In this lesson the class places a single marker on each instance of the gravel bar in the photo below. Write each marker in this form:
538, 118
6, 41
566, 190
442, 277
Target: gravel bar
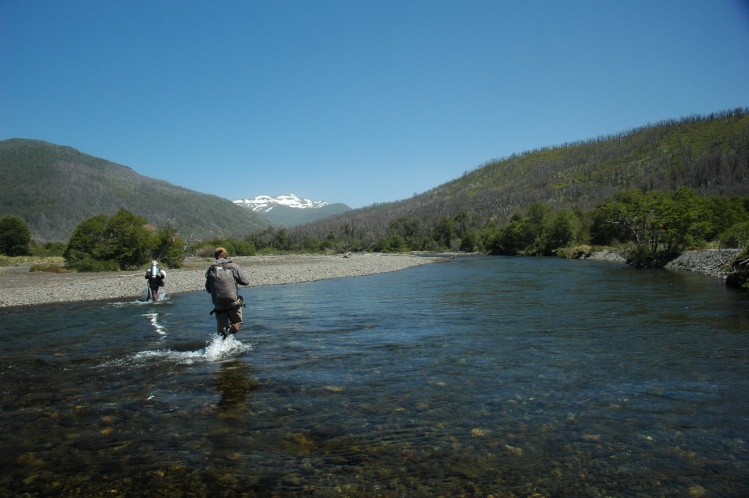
19, 288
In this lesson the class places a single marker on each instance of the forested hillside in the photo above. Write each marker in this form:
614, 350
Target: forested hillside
709, 154
53, 188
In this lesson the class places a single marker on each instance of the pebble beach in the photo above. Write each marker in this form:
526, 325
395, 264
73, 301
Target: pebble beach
25, 288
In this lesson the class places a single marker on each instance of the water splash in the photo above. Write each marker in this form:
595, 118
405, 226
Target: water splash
145, 296
142, 300
217, 349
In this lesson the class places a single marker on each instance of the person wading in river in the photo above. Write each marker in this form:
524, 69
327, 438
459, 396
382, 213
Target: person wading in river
222, 281
155, 276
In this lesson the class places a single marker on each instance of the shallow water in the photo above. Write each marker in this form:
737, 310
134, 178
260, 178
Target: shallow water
477, 376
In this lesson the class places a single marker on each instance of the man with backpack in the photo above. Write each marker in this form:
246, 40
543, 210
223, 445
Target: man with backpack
221, 280
155, 276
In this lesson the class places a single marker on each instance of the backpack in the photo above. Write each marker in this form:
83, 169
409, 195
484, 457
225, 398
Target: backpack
154, 274
222, 285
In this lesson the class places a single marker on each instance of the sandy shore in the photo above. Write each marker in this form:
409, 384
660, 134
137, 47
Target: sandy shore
19, 288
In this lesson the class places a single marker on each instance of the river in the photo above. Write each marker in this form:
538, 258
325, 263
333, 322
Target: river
479, 376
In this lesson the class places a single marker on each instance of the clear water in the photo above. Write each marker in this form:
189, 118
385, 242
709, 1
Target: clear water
473, 377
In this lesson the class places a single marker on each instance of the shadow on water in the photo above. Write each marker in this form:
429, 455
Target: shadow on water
473, 377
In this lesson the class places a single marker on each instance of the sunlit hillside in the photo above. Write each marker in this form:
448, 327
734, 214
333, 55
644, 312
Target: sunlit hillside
53, 188
707, 153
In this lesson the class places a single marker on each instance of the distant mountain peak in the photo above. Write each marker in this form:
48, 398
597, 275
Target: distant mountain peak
265, 203
290, 210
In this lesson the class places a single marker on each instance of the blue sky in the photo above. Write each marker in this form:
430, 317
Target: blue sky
355, 101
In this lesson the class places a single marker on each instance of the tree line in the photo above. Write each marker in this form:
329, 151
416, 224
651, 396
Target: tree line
650, 227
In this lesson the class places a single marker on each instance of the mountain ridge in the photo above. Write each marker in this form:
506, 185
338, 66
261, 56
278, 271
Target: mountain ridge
55, 187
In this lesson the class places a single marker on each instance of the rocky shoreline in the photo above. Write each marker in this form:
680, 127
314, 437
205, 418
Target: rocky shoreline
35, 288
713, 262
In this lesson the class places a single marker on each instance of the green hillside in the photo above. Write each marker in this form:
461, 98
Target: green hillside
707, 153
54, 188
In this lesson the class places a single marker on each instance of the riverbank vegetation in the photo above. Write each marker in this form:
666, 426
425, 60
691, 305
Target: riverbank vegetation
650, 228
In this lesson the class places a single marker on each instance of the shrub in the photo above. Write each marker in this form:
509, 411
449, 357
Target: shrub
735, 237
120, 242
576, 252
93, 265
48, 249
233, 246
15, 238
47, 267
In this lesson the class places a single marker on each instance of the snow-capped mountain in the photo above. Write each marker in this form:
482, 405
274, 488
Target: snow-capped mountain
265, 203
290, 210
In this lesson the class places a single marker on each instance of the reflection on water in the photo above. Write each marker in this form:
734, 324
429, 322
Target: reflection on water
235, 385
473, 377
